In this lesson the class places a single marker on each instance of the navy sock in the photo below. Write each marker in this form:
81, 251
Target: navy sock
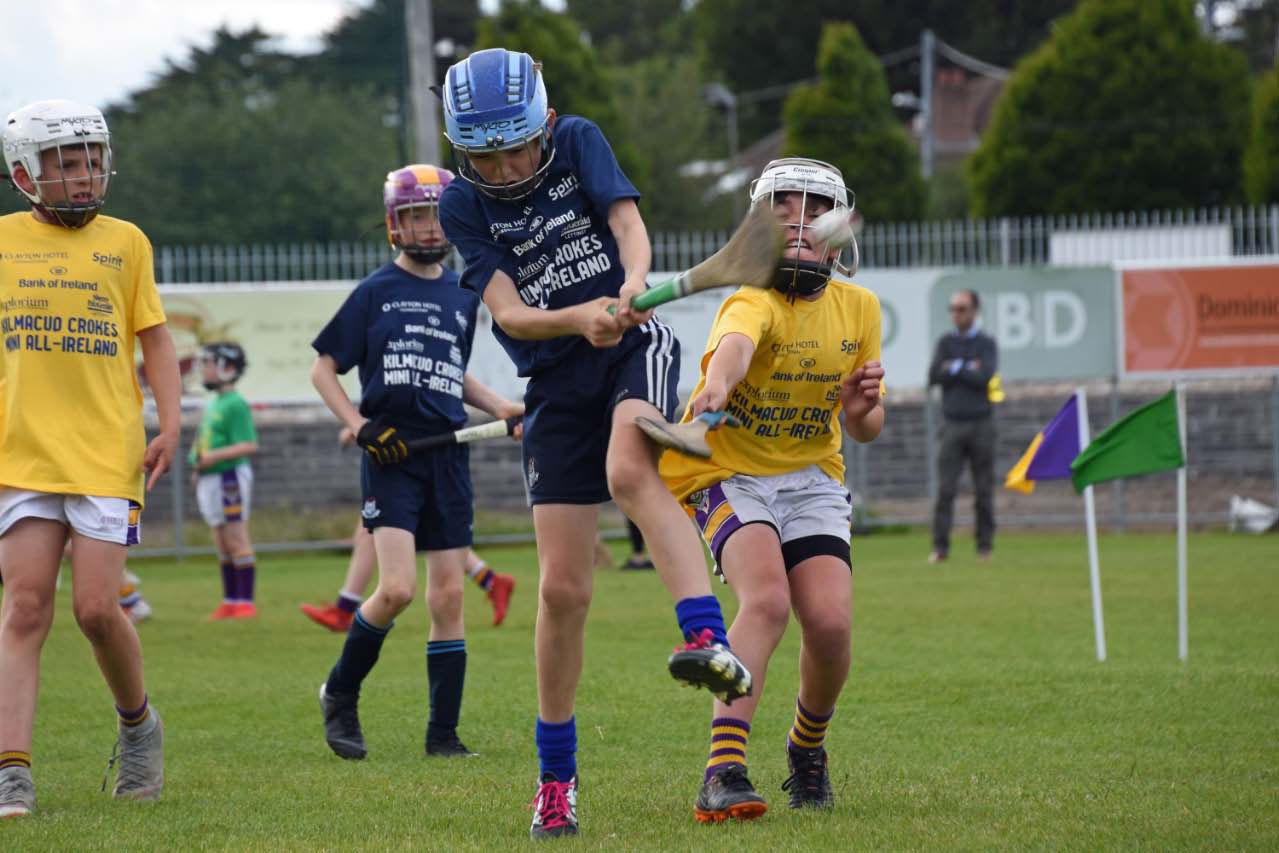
359, 653
557, 748
698, 614
445, 672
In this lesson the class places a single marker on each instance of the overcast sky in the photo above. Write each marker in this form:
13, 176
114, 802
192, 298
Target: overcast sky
98, 51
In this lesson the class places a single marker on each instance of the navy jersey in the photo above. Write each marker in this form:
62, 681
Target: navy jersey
411, 339
555, 244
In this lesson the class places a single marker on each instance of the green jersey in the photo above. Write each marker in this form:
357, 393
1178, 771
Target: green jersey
228, 420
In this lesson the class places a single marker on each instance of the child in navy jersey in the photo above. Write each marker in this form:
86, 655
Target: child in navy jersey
408, 328
553, 241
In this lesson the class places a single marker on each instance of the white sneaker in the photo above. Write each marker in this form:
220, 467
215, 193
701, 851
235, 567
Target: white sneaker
17, 792
140, 751
139, 611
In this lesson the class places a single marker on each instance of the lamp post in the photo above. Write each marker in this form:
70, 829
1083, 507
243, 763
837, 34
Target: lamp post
719, 97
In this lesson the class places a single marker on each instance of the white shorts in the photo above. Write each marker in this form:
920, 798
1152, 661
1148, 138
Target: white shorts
797, 505
117, 520
225, 496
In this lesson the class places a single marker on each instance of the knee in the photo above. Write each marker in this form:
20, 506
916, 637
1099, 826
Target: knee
828, 635
444, 600
769, 608
97, 617
27, 613
629, 478
397, 592
560, 594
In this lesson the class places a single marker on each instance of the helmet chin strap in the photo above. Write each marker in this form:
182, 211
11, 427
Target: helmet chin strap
800, 278
426, 255
70, 216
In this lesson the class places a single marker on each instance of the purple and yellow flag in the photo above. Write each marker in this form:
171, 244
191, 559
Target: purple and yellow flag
1050, 452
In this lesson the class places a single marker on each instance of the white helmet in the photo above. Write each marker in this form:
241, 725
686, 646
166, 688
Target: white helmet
810, 177
56, 125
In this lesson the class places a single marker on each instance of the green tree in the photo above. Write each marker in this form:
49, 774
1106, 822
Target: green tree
629, 32
670, 127
1127, 106
576, 82
753, 45
241, 162
847, 120
1261, 161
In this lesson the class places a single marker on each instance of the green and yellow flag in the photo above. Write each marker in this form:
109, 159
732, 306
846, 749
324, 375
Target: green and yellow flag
1145, 441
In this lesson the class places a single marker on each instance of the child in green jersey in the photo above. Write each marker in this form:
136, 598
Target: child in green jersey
224, 479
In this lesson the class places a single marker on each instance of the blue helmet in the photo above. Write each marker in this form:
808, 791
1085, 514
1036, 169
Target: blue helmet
495, 100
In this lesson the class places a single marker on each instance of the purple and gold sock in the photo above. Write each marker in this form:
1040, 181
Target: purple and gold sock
14, 758
134, 718
728, 744
228, 577
809, 729
244, 568
482, 575
348, 602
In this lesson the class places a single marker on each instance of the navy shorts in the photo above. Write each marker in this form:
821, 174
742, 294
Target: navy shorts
568, 411
428, 495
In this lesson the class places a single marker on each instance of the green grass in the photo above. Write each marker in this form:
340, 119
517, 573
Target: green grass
975, 717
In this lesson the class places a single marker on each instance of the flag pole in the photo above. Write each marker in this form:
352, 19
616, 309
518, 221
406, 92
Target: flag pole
1090, 522
1183, 629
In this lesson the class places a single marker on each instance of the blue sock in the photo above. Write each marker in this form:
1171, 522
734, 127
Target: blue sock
359, 654
445, 673
697, 614
557, 748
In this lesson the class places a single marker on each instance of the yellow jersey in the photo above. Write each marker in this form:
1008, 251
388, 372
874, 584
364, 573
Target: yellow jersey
788, 402
71, 303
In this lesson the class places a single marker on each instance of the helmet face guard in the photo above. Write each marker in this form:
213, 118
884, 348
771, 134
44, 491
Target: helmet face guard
73, 190
414, 187
228, 361
809, 178
495, 101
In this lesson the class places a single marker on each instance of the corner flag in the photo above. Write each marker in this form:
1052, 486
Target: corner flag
1050, 452
1145, 441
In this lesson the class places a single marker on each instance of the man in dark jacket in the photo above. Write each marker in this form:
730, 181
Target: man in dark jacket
963, 364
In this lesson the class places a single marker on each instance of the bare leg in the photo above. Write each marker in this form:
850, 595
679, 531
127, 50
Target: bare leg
822, 590
672, 539
359, 571
29, 555
96, 570
565, 540
757, 574
445, 571
397, 576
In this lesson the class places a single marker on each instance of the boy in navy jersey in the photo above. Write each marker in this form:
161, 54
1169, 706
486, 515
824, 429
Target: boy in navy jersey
553, 242
408, 327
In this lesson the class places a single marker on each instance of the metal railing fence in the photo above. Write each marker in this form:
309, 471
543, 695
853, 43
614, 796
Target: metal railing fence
1019, 241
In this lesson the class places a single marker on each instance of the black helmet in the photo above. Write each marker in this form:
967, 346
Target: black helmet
229, 359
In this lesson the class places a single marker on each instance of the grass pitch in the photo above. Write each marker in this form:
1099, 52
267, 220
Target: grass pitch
975, 717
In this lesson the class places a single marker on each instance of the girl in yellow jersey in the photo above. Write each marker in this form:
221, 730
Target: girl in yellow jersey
76, 291
791, 364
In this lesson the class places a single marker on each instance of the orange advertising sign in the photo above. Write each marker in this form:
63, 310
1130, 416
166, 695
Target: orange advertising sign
1204, 319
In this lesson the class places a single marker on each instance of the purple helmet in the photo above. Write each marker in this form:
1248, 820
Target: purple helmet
415, 186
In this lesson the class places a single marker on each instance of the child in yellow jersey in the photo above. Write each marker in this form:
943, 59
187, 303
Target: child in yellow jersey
791, 364
76, 290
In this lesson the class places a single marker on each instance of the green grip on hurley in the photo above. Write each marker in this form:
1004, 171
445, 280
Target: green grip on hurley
667, 291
